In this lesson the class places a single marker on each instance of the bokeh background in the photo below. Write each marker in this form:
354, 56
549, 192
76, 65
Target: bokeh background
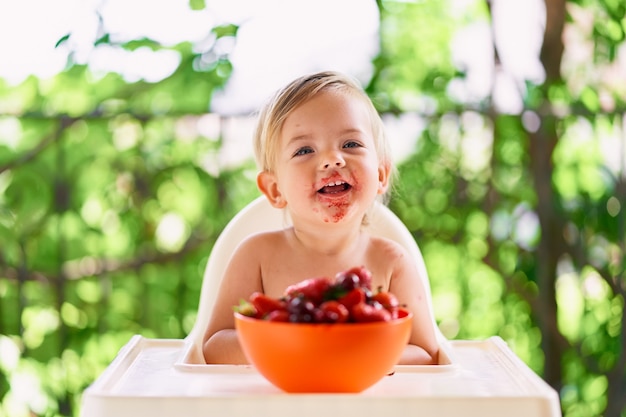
125, 130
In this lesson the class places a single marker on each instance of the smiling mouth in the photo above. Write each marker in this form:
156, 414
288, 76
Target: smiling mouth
334, 188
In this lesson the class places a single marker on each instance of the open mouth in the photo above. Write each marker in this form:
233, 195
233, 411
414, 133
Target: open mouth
334, 188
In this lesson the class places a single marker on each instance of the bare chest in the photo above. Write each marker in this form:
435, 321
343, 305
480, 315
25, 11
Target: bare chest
280, 272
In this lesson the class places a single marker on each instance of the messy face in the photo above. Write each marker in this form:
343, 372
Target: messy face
328, 169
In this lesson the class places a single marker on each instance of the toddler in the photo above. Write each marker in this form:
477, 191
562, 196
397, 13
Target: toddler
323, 157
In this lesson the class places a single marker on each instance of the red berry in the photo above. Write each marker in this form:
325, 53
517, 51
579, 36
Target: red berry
364, 313
334, 312
365, 276
265, 304
347, 281
352, 298
278, 315
313, 289
387, 300
302, 310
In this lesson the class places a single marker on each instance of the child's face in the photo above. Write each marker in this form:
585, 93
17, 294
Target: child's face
327, 166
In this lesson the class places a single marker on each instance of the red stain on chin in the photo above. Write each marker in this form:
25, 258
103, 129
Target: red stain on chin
340, 209
337, 210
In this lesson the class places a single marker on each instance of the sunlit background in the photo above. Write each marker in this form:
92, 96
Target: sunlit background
263, 57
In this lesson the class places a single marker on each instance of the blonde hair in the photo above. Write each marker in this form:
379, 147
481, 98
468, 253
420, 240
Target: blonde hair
279, 107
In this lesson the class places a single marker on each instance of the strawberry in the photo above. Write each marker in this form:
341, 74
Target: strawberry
313, 289
334, 312
278, 315
364, 313
386, 299
352, 298
264, 304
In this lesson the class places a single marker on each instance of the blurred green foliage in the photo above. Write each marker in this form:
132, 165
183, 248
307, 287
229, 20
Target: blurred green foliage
111, 196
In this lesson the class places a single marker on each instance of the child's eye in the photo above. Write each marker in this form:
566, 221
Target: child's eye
352, 144
303, 151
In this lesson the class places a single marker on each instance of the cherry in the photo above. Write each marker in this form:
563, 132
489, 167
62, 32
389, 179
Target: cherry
302, 310
347, 281
364, 274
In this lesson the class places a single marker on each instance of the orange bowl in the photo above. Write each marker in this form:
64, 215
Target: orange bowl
347, 357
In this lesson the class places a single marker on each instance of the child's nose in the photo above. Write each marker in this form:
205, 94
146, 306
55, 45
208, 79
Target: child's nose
332, 159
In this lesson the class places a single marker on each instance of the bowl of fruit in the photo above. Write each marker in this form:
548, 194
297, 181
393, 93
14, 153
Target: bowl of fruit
324, 335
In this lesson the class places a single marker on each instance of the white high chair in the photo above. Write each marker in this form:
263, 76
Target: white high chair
168, 377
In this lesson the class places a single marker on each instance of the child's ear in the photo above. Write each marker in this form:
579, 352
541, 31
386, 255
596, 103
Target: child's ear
266, 181
384, 172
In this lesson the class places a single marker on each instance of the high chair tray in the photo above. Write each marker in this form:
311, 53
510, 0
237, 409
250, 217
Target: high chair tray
487, 379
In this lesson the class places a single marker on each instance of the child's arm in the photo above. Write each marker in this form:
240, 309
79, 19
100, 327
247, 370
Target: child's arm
242, 277
407, 285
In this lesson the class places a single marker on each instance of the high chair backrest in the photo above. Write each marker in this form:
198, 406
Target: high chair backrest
260, 216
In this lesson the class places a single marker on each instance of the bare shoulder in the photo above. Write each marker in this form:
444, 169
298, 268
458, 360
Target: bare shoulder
261, 240
387, 248
388, 260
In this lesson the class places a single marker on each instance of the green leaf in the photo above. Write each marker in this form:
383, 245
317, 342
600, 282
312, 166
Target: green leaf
590, 99
62, 40
139, 43
106, 39
197, 4
246, 308
225, 30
